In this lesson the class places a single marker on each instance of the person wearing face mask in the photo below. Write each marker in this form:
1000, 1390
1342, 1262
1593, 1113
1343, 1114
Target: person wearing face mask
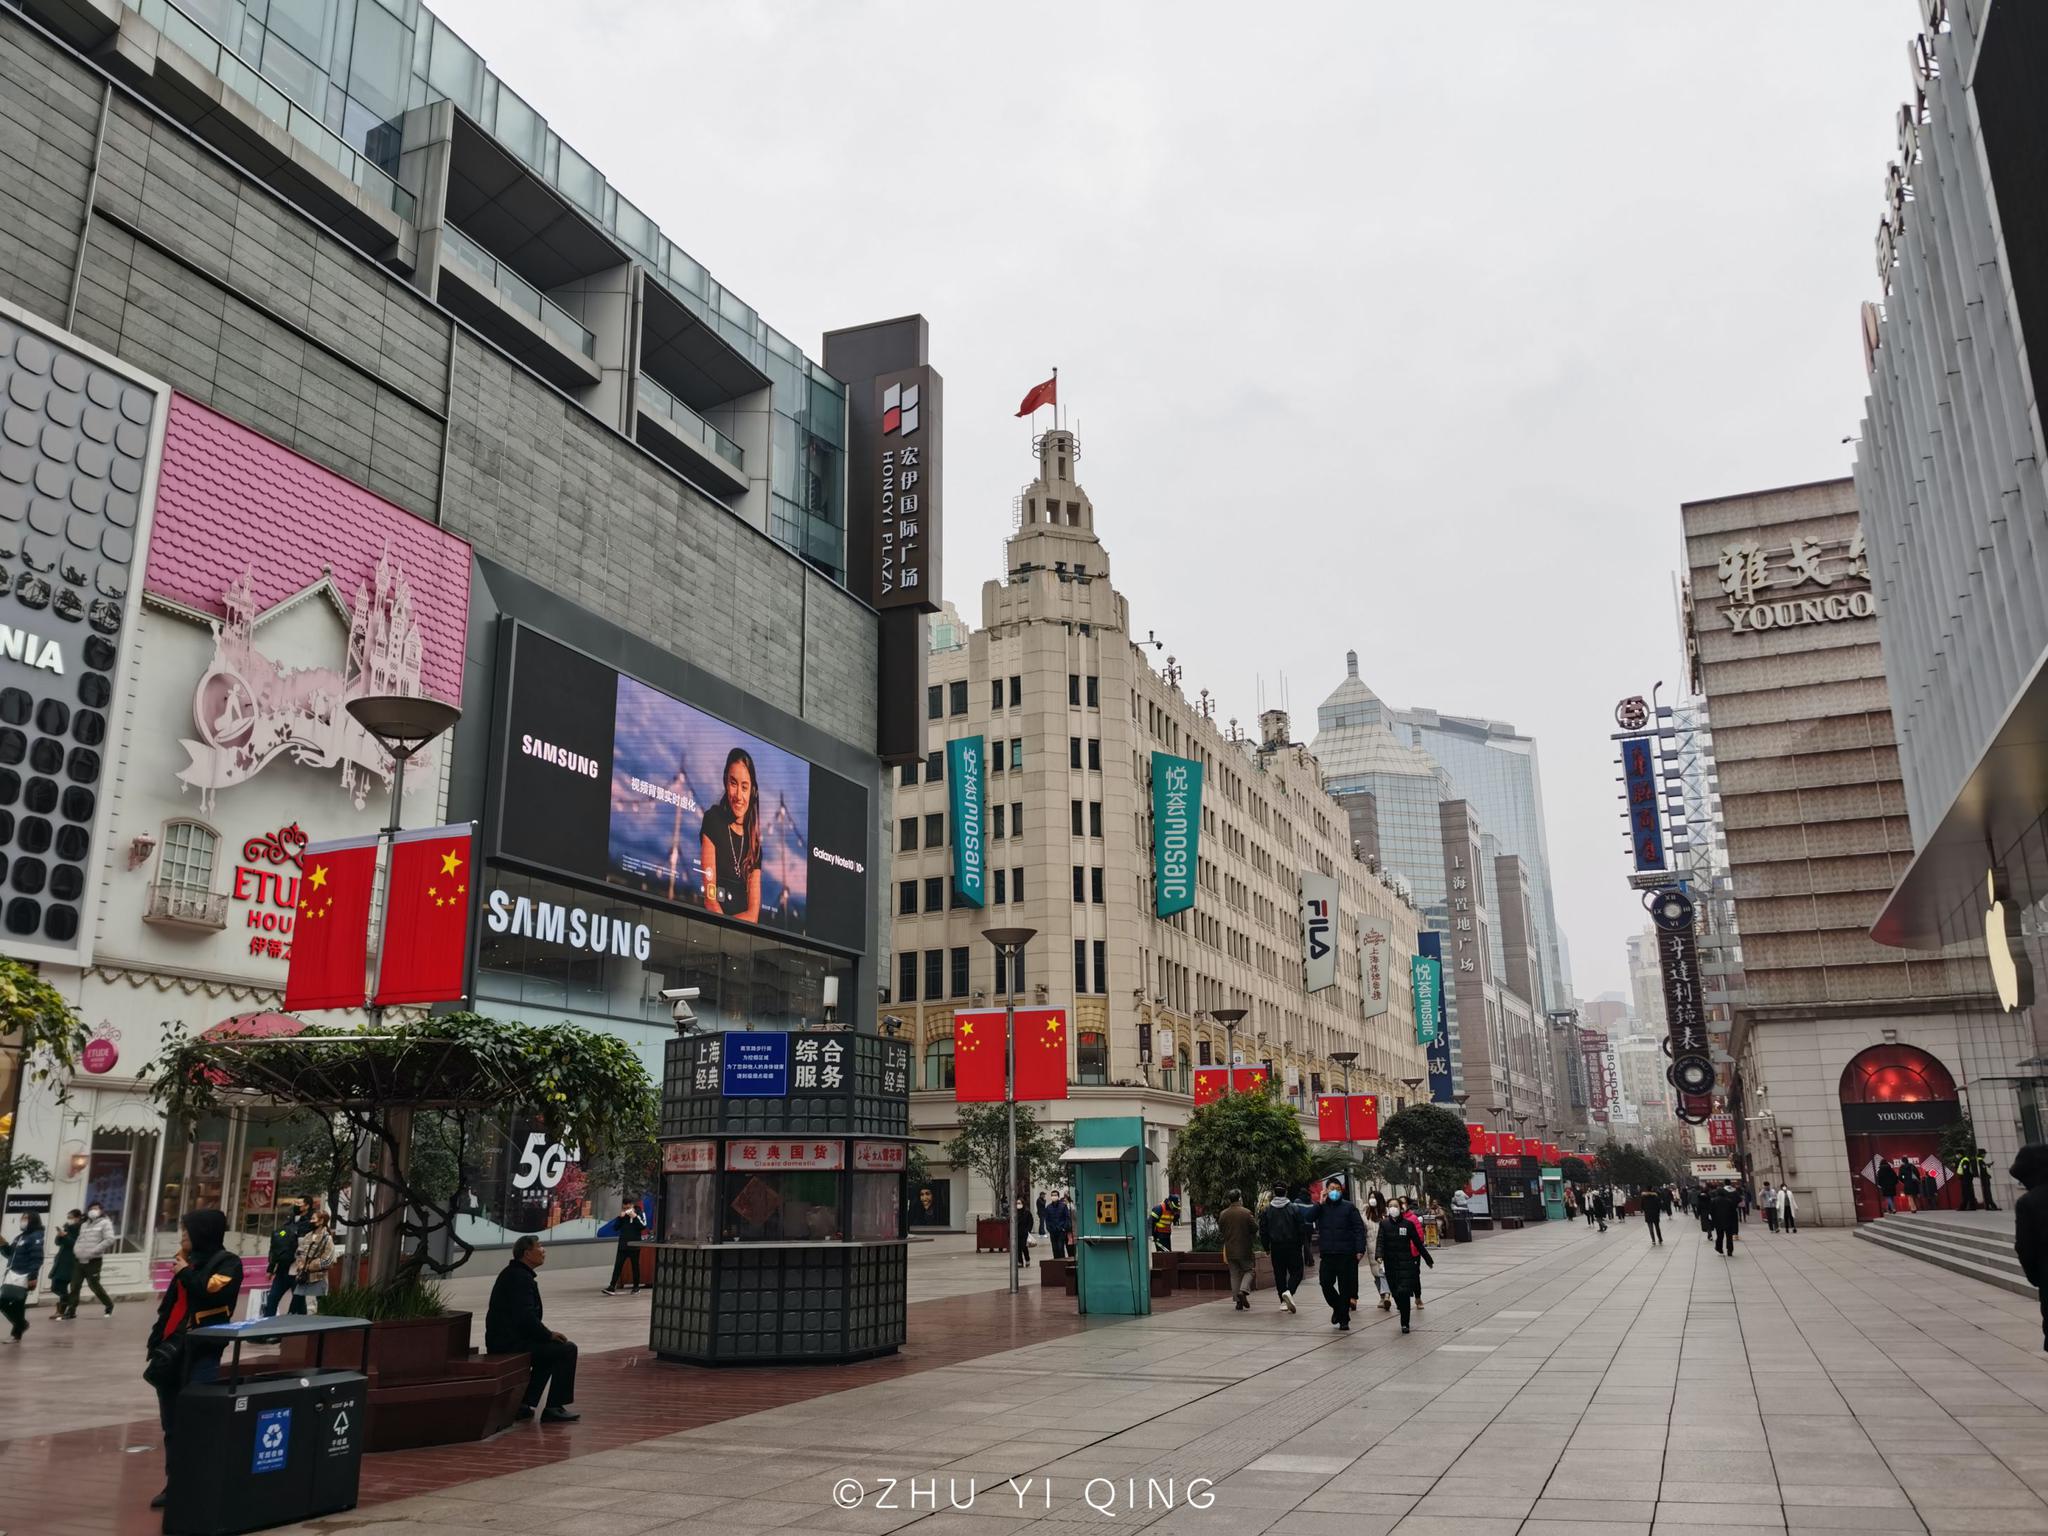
94, 1242
1340, 1234
206, 1279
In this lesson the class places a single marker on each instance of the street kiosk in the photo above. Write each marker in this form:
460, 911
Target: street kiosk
783, 1157
1112, 1257
270, 1446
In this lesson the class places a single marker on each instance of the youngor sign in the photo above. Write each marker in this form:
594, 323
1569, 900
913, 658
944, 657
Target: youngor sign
1176, 831
606, 779
78, 474
1318, 930
965, 764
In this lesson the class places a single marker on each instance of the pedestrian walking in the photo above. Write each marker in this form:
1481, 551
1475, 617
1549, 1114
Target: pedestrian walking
515, 1324
1414, 1219
1571, 1203
1653, 1216
1598, 1211
1788, 1209
206, 1279
24, 1258
1888, 1186
1340, 1234
1164, 1215
1022, 1217
626, 1261
284, 1248
63, 1243
1059, 1225
312, 1261
1285, 1234
1966, 1167
1726, 1207
1376, 1208
1768, 1199
1909, 1184
1239, 1230
2030, 1222
95, 1240
1402, 1253
1039, 1207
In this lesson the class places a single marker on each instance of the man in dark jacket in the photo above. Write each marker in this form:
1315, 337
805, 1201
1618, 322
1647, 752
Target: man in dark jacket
1653, 1215
1340, 1235
2030, 1222
1727, 1213
513, 1325
284, 1248
1285, 1234
1888, 1186
626, 1261
1058, 1217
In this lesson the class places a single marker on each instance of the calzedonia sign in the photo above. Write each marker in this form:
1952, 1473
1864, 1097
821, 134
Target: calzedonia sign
1176, 831
964, 767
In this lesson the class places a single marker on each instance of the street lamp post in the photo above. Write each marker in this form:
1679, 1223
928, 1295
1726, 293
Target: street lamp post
1229, 1018
403, 724
1344, 1060
1009, 943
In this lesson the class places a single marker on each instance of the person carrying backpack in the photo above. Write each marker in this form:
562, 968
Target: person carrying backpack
1285, 1236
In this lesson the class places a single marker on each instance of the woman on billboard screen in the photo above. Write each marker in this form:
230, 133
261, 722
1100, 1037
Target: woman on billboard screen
731, 859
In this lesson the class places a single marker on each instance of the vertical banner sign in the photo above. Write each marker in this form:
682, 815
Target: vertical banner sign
1639, 789
1426, 973
1372, 974
1443, 1084
965, 763
1176, 831
906, 489
1319, 930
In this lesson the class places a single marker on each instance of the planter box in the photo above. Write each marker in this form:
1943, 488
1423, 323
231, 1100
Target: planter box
991, 1235
425, 1386
1211, 1272
1059, 1274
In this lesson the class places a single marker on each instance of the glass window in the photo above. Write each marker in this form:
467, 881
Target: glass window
960, 982
690, 1208
996, 702
1080, 884
786, 1207
877, 1206
906, 898
1002, 887
996, 823
1095, 752
906, 976
188, 857
996, 756
1017, 884
1073, 688
1002, 975
1076, 808
935, 768
1080, 966
1016, 818
906, 835
575, 176
934, 973
118, 1169
521, 128
909, 774
1095, 818
457, 73
1094, 692
1073, 751
1016, 690
934, 702
934, 829
1016, 754
1095, 885
1102, 966
958, 693
1091, 1056
934, 893
938, 1064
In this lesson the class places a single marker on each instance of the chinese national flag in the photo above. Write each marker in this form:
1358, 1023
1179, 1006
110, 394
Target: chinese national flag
1248, 1080
1208, 1085
1510, 1146
331, 928
1477, 1136
1047, 393
1329, 1117
978, 1057
1365, 1118
1042, 1054
426, 924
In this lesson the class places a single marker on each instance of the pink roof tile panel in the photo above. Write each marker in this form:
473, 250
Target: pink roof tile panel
231, 501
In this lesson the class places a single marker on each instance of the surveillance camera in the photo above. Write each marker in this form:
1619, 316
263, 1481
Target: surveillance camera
679, 1000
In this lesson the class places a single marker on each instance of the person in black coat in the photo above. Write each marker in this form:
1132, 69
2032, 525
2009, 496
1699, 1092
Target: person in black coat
626, 1262
1341, 1237
1888, 1186
1726, 1210
1402, 1255
1058, 1217
514, 1324
206, 1281
1285, 1234
1653, 1215
23, 1263
1025, 1225
2030, 1222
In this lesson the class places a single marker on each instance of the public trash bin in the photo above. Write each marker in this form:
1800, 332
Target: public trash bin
1461, 1226
271, 1445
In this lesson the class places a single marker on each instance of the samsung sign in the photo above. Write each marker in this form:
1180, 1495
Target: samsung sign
548, 922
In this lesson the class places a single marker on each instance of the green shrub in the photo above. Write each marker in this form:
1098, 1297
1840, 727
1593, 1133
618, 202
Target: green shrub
406, 1301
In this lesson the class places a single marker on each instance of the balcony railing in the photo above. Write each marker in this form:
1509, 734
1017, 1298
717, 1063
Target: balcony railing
184, 907
246, 81
518, 292
657, 401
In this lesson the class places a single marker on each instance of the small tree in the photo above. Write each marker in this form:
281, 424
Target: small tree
984, 1146
1433, 1142
1575, 1171
1958, 1144
35, 1019
1243, 1141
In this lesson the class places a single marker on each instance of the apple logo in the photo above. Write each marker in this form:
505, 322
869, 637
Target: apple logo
2011, 970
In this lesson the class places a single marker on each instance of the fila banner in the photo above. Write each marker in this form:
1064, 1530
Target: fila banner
1176, 831
1319, 930
965, 764
1372, 972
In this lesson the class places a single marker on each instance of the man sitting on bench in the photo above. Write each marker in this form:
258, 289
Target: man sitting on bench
513, 1326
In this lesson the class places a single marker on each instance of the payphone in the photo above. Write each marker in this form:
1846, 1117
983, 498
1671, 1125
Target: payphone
1112, 1259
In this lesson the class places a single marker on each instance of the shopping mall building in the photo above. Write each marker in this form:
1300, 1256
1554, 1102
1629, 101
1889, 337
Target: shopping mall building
329, 370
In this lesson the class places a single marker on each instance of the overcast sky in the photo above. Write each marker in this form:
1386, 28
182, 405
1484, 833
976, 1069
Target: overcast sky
1404, 329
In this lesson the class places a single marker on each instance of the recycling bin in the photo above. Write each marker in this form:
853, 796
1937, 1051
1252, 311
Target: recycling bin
270, 1445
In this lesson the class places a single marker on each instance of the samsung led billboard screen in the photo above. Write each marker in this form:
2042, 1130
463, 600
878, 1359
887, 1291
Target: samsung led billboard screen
606, 778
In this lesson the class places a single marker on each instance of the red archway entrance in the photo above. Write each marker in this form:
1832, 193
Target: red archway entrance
1896, 1102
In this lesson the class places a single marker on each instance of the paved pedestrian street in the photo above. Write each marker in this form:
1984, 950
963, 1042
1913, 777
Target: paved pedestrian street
1559, 1382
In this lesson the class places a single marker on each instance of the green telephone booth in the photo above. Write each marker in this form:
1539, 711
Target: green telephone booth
1113, 1260
1553, 1194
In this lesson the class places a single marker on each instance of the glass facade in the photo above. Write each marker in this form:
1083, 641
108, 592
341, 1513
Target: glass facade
340, 74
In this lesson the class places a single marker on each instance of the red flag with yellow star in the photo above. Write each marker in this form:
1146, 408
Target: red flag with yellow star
331, 925
426, 923
1041, 1054
978, 1057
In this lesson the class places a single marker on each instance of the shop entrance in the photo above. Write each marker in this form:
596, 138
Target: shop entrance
1896, 1102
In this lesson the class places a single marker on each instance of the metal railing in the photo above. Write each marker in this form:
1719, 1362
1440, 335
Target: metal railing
246, 81
518, 292
171, 903
657, 401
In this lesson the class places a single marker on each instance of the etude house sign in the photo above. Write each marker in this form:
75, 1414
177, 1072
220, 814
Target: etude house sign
1806, 582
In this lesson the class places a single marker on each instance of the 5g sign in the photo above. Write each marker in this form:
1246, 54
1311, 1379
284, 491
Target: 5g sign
535, 1165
